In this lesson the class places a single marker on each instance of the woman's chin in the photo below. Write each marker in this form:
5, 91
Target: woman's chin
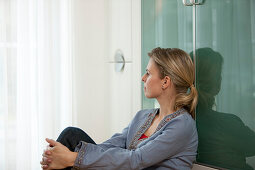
148, 96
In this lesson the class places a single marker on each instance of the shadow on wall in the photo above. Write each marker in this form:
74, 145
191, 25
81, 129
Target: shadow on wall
224, 140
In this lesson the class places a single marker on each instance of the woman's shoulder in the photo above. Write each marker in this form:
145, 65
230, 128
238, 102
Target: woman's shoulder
145, 113
182, 116
182, 122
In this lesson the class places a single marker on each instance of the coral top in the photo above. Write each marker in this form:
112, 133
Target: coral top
143, 136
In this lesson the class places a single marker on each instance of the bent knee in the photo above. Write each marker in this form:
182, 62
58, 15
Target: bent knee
71, 129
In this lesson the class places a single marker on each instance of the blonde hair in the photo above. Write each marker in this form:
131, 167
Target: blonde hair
178, 65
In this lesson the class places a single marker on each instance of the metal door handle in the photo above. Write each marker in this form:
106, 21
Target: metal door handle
197, 3
119, 61
192, 2
186, 4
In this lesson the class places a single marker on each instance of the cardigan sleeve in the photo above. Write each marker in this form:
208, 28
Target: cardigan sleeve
117, 140
120, 139
169, 143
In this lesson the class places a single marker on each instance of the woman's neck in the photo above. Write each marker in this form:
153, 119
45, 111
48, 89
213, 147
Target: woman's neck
166, 107
167, 101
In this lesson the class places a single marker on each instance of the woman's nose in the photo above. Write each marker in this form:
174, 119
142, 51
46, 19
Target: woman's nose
143, 78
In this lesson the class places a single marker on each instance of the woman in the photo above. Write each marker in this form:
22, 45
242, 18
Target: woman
164, 138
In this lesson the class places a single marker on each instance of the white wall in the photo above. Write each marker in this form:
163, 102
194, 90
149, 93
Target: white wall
105, 100
91, 76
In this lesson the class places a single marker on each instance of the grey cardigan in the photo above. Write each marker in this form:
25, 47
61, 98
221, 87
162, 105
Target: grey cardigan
172, 146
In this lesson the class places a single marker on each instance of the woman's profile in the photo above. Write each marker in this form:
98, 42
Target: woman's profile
161, 138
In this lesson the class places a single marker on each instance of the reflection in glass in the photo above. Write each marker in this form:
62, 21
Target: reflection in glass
224, 140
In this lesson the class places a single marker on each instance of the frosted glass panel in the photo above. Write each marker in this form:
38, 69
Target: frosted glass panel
225, 71
167, 24
226, 82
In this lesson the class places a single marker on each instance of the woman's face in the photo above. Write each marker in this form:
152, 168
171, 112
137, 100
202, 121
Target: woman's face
152, 82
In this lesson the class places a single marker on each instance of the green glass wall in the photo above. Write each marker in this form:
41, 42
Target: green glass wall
165, 23
225, 71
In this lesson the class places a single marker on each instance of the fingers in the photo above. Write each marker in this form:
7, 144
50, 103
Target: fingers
47, 152
51, 142
42, 162
45, 161
47, 156
48, 148
45, 166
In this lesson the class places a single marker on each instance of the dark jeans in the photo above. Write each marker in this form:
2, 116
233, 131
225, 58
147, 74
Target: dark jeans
71, 136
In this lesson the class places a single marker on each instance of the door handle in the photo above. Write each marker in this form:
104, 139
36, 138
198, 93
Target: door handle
186, 4
197, 3
192, 2
119, 61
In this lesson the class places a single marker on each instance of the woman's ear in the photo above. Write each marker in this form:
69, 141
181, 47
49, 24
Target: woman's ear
166, 82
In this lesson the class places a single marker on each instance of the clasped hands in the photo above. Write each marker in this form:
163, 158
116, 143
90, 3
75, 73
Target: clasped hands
57, 156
